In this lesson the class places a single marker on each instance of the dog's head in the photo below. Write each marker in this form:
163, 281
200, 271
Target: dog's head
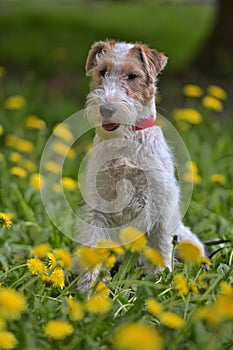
123, 83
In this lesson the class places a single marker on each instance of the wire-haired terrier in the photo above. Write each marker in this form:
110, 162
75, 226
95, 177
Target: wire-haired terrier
131, 166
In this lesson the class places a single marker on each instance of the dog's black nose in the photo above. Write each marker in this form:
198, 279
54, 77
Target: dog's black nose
107, 110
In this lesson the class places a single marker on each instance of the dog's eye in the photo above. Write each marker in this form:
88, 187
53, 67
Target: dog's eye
102, 72
132, 76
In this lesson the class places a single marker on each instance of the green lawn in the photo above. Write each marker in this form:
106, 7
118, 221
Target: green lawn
188, 308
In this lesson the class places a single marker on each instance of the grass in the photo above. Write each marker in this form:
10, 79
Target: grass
125, 295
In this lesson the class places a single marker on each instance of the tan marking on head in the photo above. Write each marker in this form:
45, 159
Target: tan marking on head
98, 50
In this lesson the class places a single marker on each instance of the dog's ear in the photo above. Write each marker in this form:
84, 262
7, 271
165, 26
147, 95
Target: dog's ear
96, 51
153, 61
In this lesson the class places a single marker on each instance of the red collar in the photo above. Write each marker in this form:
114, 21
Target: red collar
145, 123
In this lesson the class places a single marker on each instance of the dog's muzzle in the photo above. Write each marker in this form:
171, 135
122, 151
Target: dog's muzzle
107, 111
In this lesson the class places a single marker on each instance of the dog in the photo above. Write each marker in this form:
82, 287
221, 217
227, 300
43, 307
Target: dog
130, 178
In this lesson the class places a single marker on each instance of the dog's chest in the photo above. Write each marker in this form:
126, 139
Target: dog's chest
121, 176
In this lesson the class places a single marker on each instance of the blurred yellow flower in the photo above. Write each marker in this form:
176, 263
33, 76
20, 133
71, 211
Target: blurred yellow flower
1, 130
192, 174
111, 245
89, 148
15, 102
7, 340
192, 90
37, 181
181, 285
218, 178
5, 220
15, 157
171, 320
101, 289
58, 329
23, 145
133, 239
36, 266
211, 102
34, 122
28, 164
75, 309
40, 250
189, 252
11, 140
154, 257
63, 149
63, 132
217, 92
63, 257
193, 287
89, 258
137, 336
187, 114
2, 324
2, 71
53, 167
12, 304
98, 304
17, 171
69, 184
154, 307
57, 277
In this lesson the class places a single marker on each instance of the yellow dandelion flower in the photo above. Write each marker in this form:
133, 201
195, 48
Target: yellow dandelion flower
189, 252
60, 148
17, 171
192, 90
154, 257
69, 184
40, 250
2, 324
71, 153
57, 277
15, 157
58, 329
7, 340
98, 304
88, 258
218, 178
137, 336
180, 284
217, 91
187, 114
202, 282
52, 262
205, 261
89, 148
46, 279
63, 257
37, 181
36, 266
111, 245
192, 174
193, 287
2, 71
53, 167
171, 320
11, 140
101, 289
213, 103
154, 307
226, 288
110, 261
5, 220
12, 304
28, 164
63, 132
1, 130
75, 309
15, 102
207, 314
33, 122
24, 146
133, 239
